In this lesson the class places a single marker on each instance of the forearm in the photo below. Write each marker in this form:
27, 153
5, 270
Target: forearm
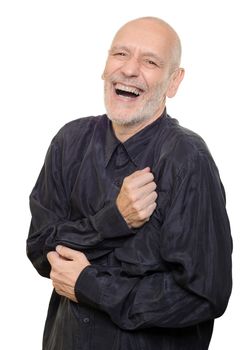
48, 230
153, 301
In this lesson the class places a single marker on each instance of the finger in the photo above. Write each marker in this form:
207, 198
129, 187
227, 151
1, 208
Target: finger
65, 290
147, 212
67, 253
52, 257
145, 191
150, 209
145, 202
140, 180
139, 172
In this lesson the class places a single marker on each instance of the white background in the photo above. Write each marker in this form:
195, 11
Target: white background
52, 56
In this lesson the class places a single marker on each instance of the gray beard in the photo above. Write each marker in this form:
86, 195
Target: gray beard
145, 113
136, 119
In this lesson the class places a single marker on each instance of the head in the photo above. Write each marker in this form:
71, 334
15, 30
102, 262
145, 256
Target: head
142, 69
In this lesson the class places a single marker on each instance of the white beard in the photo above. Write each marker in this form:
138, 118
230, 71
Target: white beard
147, 110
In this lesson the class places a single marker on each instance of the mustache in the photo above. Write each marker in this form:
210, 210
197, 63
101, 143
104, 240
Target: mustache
118, 78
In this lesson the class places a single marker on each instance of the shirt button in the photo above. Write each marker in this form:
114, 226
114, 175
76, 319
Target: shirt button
86, 320
117, 182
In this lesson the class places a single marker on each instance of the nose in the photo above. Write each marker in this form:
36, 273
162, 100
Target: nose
131, 67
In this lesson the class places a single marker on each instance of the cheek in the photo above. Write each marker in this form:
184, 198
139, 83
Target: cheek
111, 67
153, 80
159, 85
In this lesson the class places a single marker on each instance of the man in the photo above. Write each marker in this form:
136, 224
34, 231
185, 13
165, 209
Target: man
128, 213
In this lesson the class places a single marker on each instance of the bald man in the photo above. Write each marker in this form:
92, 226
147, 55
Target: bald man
128, 213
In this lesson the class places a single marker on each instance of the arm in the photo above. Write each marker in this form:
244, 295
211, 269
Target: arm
195, 283
50, 225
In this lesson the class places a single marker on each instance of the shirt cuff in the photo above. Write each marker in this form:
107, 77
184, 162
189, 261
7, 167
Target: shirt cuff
110, 223
87, 287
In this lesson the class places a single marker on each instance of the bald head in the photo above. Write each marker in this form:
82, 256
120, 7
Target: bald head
148, 25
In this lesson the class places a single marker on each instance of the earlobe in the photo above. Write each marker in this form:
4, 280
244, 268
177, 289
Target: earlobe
175, 81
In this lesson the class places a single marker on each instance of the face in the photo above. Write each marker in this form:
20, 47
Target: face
137, 73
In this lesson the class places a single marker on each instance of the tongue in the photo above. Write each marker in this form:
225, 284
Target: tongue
126, 93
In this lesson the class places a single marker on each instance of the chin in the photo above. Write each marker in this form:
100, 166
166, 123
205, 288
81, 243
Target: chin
127, 120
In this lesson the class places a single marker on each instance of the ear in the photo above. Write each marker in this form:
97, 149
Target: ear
175, 81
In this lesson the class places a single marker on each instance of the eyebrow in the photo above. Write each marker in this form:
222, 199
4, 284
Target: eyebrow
120, 47
145, 53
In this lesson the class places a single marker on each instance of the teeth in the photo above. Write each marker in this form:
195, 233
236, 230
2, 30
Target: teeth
126, 88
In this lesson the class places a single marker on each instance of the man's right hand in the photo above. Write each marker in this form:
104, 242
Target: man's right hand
136, 199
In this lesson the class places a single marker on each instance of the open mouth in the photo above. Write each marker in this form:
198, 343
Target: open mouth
127, 91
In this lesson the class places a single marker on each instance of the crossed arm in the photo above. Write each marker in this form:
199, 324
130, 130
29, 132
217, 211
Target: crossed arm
194, 243
136, 202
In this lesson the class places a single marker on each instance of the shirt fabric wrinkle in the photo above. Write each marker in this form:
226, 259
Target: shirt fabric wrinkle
159, 286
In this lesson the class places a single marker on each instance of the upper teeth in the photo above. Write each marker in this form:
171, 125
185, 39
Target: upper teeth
128, 89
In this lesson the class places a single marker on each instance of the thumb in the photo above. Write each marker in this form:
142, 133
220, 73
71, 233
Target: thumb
145, 170
67, 253
140, 172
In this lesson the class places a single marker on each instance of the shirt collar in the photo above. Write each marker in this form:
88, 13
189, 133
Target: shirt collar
135, 145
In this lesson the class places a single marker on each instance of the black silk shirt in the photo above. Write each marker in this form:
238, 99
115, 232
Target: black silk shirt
158, 287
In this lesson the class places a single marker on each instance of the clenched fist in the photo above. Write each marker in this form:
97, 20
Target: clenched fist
136, 199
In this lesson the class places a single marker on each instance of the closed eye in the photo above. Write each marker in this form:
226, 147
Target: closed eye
150, 63
120, 54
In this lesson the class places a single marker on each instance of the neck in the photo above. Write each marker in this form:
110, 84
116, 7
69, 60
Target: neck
124, 132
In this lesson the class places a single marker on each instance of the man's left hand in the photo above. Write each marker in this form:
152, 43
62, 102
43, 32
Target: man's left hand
66, 266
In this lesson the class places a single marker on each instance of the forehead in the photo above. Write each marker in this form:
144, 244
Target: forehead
147, 36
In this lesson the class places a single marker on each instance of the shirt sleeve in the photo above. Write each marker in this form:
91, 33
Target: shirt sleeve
193, 283
50, 224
